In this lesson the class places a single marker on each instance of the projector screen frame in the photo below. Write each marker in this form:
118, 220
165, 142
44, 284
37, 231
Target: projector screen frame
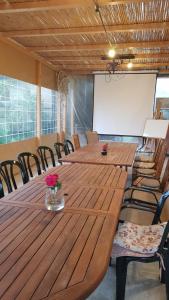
155, 72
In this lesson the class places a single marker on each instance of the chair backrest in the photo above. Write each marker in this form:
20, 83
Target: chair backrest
158, 150
165, 178
28, 160
1, 189
160, 206
61, 148
92, 137
7, 169
76, 142
161, 159
164, 247
69, 145
46, 154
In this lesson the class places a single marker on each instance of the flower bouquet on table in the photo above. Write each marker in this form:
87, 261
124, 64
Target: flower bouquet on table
104, 149
54, 196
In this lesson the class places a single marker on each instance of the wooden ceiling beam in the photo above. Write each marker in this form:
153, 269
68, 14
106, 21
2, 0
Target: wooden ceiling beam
29, 6
98, 57
85, 30
33, 6
102, 66
86, 47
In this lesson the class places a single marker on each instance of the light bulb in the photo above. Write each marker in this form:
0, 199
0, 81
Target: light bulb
111, 53
129, 65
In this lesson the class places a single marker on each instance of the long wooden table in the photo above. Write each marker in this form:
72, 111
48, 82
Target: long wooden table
118, 154
49, 255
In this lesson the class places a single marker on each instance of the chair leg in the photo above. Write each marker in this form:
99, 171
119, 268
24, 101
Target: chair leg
166, 262
121, 274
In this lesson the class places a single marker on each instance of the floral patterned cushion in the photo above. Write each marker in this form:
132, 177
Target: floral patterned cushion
118, 251
139, 238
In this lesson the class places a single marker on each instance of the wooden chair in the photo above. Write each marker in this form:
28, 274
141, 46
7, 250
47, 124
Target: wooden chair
7, 169
46, 154
144, 187
156, 171
149, 158
151, 162
28, 161
92, 137
76, 142
62, 137
127, 248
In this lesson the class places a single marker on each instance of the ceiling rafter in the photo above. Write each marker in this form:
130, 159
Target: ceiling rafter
148, 44
85, 30
102, 66
29, 6
98, 57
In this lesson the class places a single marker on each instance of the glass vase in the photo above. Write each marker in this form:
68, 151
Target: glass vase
54, 199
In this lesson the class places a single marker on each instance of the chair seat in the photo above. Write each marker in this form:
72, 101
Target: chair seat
118, 251
147, 182
144, 158
144, 165
145, 171
138, 238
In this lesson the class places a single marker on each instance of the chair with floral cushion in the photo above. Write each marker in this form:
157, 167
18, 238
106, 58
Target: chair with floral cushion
144, 244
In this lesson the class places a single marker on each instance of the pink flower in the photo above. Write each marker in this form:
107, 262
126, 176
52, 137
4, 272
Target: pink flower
51, 180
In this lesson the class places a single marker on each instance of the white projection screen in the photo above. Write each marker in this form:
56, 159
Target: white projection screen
122, 106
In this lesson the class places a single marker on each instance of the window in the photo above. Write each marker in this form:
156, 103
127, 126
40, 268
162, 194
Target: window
17, 110
162, 96
162, 88
79, 109
48, 111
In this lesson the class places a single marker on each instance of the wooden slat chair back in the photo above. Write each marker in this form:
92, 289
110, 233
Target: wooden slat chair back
158, 150
165, 178
92, 137
61, 137
161, 159
76, 142
47, 156
9, 169
28, 161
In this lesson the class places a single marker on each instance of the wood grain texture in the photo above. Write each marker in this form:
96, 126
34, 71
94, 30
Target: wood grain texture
118, 154
49, 255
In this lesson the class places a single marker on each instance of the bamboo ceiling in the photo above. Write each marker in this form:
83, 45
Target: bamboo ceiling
69, 35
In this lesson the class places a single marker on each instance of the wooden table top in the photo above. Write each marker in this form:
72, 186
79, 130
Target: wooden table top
118, 154
45, 255
49, 255
89, 175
